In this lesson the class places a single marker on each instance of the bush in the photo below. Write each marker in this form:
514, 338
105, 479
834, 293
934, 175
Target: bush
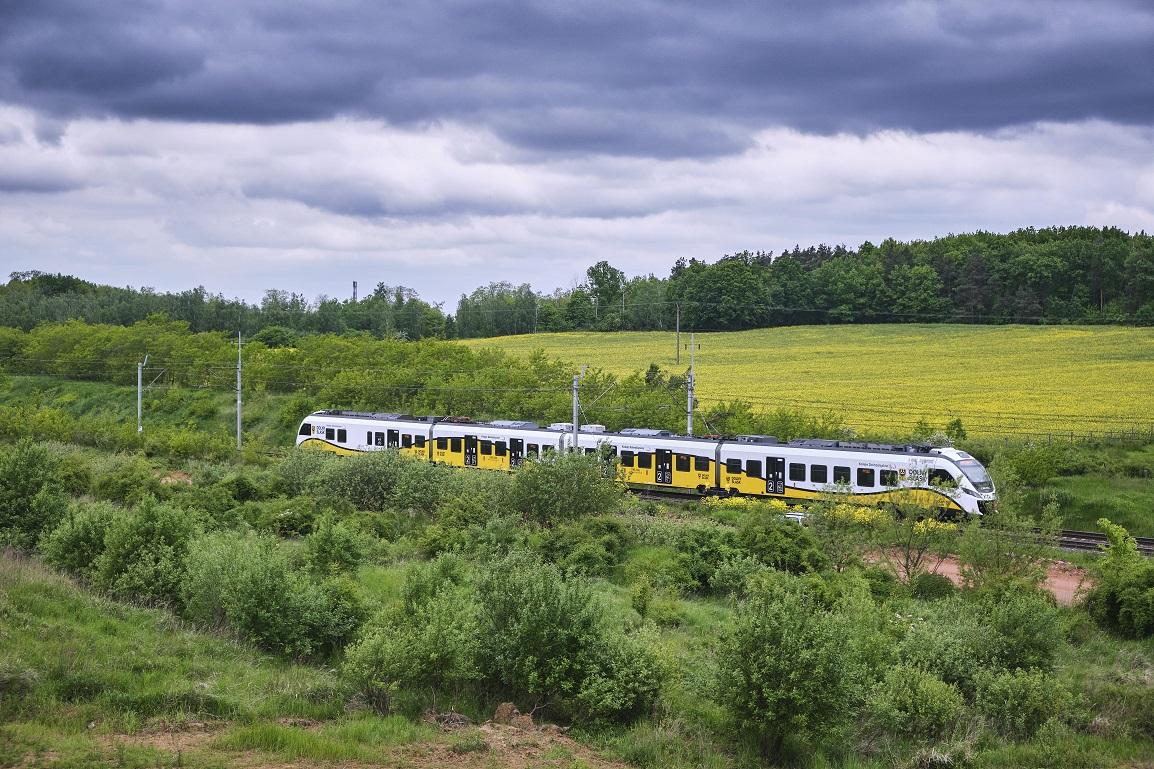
78, 541
144, 552
589, 546
913, 703
663, 567
560, 487
30, 503
429, 642
543, 637
245, 582
732, 577
1017, 703
335, 547
779, 542
784, 667
932, 587
385, 480
129, 482
301, 470
1122, 599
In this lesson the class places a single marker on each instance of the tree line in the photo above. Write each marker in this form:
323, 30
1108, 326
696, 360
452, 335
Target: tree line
1052, 275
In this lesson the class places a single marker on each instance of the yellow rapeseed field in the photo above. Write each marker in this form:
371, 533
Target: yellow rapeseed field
997, 379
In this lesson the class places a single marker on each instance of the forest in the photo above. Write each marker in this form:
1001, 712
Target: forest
1085, 275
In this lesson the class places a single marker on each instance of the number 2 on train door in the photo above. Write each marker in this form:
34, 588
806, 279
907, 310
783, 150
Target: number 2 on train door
664, 466
774, 475
470, 451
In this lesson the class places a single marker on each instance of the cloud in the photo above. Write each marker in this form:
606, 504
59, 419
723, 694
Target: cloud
638, 78
311, 206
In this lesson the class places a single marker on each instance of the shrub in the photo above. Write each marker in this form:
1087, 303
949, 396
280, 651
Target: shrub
588, 546
430, 643
777, 541
1027, 628
78, 541
732, 577
913, 703
245, 582
30, 503
129, 482
144, 552
663, 567
932, 587
335, 547
1123, 597
547, 638
783, 666
301, 470
1018, 702
385, 480
560, 487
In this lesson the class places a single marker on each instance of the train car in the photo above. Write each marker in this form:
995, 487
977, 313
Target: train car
869, 473
751, 465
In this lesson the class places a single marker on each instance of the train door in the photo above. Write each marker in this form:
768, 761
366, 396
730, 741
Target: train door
664, 466
470, 451
516, 452
394, 439
774, 475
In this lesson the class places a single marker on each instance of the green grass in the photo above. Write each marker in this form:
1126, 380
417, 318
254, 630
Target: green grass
1043, 379
361, 739
1126, 501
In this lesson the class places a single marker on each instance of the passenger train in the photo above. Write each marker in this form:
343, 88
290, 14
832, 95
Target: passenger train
946, 479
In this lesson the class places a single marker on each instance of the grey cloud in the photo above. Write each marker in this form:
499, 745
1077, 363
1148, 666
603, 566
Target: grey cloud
635, 77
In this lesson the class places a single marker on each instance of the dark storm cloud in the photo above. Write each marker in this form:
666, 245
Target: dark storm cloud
630, 77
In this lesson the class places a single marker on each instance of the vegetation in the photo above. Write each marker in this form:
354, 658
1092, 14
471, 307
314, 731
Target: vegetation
718, 634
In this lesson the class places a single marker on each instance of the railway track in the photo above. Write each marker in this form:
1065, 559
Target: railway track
1093, 541
1083, 541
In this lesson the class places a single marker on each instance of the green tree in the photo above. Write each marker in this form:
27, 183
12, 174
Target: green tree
30, 502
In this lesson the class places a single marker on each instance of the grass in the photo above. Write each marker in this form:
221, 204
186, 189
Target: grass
1125, 501
997, 379
362, 739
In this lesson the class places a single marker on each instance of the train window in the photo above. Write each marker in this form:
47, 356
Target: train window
501, 447
419, 441
681, 464
306, 429
939, 477
865, 477
369, 438
342, 435
645, 461
818, 473
733, 466
590, 451
753, 468
889, 477
442, 444
486, 447
627, 459
330, 434
393, 438
796, 471
701, 464
406, 441
532, 449
455, 445
547, 449
841, 474
378, 439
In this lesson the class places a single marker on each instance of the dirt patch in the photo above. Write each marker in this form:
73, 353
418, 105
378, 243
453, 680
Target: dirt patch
1065, 581
175, 478
508, 747
172, 737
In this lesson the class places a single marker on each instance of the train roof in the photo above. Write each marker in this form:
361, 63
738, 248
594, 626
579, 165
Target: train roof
641, 432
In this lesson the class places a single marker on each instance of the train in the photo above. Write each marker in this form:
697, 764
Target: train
944, 479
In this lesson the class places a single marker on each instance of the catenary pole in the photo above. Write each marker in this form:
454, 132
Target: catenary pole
679, 334
139, 393
576, 380
238, 404
692, 374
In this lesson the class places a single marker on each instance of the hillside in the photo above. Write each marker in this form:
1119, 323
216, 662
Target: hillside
999, 380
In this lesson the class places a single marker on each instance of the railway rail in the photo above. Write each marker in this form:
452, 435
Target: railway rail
1093, 541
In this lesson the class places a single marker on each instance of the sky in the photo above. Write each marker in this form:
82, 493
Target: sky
245, 145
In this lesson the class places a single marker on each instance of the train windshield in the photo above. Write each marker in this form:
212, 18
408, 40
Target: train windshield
977, 474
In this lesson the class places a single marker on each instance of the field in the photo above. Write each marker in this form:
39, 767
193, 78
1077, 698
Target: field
999, 380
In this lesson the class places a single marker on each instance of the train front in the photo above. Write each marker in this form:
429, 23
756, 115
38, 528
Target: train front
975, 486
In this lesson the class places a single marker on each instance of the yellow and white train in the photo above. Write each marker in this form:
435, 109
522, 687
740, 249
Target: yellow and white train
755, 465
